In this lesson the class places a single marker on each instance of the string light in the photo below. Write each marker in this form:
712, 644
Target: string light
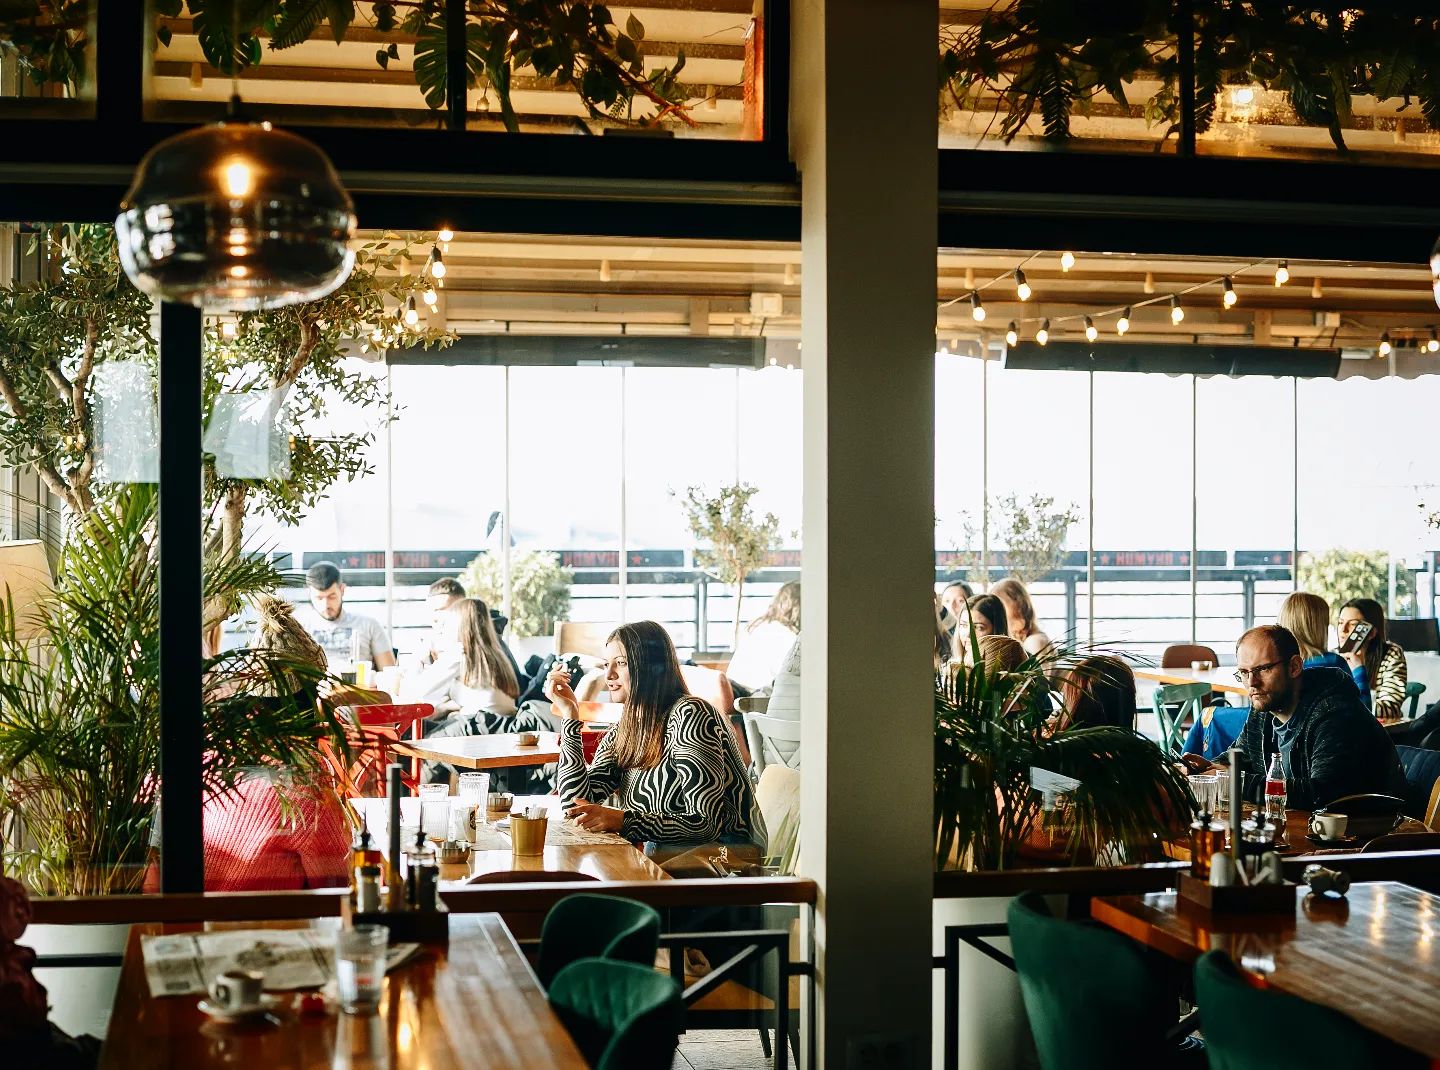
1067, 260
1043, 334
430, 296
437, 263
1282, 273
1176, 312
412, 315
1229, 297
1433, 346
446, 235
1012, 334
1090, 332
1123, 323
1385, 346
1022, 288
977, 310
1149, 282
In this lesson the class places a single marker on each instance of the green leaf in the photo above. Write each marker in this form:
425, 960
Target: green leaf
296, 21
383, 58
340, 13
634, 27
625, 48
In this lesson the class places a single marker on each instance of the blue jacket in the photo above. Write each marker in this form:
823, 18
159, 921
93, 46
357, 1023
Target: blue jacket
1212, 740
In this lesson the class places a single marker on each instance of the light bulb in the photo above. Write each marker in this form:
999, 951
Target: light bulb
1385, 346
1149, 282
1176, 312
1433, 345
1043, 334
446, 235
1315, 289
430, 297
977, 310
1012, 335
1067, 260
1282, 274
1022, 288
437, 263
1123, 323
1090, 332
412, 315
239, 178
1228, 298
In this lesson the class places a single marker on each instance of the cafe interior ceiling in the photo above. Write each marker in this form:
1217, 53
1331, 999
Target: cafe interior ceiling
536, 285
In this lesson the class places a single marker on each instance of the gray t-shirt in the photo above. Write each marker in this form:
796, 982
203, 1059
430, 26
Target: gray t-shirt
337, 636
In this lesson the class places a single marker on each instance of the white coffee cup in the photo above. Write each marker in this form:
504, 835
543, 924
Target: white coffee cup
235, 990
1328, 826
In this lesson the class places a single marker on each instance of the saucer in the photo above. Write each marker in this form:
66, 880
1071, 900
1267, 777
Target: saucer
239, 1014
1343, 841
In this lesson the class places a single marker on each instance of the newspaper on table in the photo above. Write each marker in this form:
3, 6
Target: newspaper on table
184, 964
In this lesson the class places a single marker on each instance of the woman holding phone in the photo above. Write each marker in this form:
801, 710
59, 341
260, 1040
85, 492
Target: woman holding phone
1361, 627
671, 762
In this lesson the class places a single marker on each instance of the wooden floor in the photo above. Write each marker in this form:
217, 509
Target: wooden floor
722, 1049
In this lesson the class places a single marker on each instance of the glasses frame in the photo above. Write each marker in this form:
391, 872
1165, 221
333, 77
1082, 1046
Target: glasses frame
1244, 676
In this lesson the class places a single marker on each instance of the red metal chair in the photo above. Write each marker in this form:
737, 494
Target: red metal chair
371, 733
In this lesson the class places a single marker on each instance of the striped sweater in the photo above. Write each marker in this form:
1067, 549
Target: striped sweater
1387, 690
699, 792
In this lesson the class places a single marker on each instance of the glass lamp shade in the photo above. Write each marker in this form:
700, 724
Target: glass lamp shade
236, 216
1434, 272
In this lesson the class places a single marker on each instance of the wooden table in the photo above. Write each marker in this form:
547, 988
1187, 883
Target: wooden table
1219, 679
1371, 957
1297, 830
620, 862
498, 751
475, 1003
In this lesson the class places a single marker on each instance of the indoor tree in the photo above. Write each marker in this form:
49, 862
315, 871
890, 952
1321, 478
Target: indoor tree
1033, 531
539, 584
738, 540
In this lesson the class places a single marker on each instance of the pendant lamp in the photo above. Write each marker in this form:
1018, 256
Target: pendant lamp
236, 216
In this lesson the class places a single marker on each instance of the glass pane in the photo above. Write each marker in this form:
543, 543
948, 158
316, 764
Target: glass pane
959, 469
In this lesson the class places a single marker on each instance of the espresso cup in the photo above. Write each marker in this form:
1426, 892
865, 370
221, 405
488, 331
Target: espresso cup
528, 739
1327, 826
235, 990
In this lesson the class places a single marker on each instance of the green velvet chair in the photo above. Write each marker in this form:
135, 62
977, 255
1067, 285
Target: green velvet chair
620, 1015
1247, 1027
1093, 999
586, 926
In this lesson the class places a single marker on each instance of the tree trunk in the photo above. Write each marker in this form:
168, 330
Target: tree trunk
739, 592
232, 528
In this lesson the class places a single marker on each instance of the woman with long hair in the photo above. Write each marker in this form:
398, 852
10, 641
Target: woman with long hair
765, 642
982, 615
1097, 690
1020, 615
671, 762
1381, 661
471, 673
1307, 617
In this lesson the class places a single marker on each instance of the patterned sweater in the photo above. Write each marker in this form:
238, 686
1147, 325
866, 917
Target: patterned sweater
699, 792
1387, 690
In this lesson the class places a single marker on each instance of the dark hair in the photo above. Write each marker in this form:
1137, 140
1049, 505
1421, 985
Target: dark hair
1285, 643
322, 575
655, 686
964, 587
992, 609
449, 586
1099, 690
1373, 652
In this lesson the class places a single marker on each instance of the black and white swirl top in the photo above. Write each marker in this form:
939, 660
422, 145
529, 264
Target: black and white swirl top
699, 792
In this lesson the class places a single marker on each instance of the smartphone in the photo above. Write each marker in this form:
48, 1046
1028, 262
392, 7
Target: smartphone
1357, 637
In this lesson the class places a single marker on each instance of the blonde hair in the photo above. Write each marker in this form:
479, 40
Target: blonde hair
1306, 616
278, 630
784, 608
486, 665
1012, 591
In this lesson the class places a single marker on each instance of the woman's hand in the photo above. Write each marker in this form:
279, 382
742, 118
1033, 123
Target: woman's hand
592, 817
1352, 658
557, 690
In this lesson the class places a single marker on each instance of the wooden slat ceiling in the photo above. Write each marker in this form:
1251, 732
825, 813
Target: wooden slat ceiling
319, 79
526, 284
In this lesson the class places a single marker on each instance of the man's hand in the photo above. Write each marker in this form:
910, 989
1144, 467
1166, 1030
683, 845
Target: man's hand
1195, 763
592, 817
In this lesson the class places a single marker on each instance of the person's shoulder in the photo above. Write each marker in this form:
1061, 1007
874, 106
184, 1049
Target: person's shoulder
688, 712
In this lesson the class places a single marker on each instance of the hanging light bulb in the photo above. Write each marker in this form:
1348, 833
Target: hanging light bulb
430, 296
1067, 260
1385, 346
1433, 346
1123, 323
436, 265
236, 215
1022, 288
1228, 298
1012, 334
446, 235
1090, 332
977, 310
1176, 312
1282, 273
1149, 282
412, 314
1043, 334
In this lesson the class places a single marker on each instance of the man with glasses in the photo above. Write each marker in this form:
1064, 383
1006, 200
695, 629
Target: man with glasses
1329, 744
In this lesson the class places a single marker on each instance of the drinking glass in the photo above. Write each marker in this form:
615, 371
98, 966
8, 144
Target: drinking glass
360, 966
1222, 794
435, 809
1204, 787
473, 788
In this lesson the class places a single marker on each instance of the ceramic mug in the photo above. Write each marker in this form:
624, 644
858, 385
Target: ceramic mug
1326, 826
235, 990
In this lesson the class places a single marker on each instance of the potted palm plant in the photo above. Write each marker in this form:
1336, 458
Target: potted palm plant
80, 738
993, 727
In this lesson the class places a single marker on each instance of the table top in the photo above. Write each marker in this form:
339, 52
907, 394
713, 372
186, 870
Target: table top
482, 752
1370, 956
473, 1003
606, 862
1221, 678
1297, 831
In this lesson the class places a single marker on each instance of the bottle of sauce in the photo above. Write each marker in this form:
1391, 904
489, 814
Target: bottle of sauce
1207, 836
422, 874
363, 852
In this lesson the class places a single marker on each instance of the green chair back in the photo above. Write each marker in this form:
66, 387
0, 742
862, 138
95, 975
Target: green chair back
1247, 1027
620, 1015
1092, 999
1184, 698
585, 926
1413, 690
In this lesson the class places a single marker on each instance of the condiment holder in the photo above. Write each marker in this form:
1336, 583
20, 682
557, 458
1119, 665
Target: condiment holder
454, 853
527, 834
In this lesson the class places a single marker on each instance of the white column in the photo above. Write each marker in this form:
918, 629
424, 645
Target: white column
868, 162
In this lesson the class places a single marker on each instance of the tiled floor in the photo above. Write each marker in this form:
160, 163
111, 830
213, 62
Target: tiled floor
722, 1049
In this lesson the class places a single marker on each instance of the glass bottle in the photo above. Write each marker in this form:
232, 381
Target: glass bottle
1275, 792
1207, 837
422, 874
362, 853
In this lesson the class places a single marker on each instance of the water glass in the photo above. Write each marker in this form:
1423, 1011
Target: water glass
1204, 786
360, 966
1222, 794
435, 809
473, 788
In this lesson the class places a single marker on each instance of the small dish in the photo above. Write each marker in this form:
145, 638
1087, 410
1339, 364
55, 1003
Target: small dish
1343, 841
528, 739
239, 1014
